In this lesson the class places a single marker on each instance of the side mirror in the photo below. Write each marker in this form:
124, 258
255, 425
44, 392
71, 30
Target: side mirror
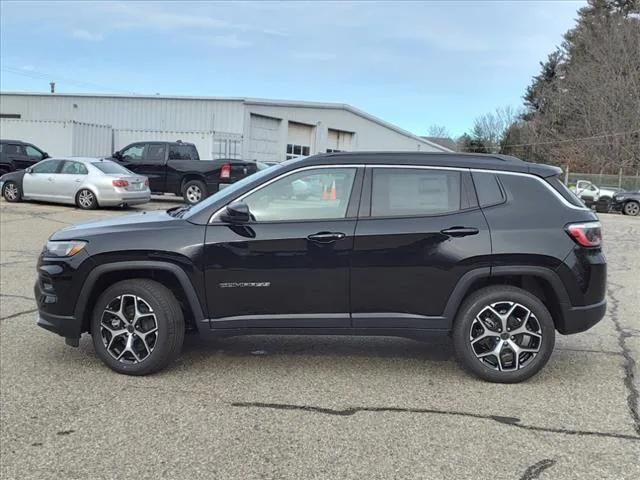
237, 212
28, 170
117, 155
45, 155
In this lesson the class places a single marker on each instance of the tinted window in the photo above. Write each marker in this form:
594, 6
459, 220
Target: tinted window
74, 168
13, 149
183, 152
134, 152
107, 166
562, 189
408, 191
33, 152
156, 152
488, 189
308, 195
49, 166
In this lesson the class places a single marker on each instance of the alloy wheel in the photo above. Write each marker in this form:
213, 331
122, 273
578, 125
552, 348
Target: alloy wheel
11, 191
85, 198
505, 336
129, 329
194, 194
632, 208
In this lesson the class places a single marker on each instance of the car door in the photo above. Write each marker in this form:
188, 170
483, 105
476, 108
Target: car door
71, 177
419, 231
16, 154
289, 266
40, 182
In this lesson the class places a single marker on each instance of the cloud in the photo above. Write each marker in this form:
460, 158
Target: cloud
86, 35
224, 41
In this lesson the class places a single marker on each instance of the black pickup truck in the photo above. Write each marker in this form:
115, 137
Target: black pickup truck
175, 167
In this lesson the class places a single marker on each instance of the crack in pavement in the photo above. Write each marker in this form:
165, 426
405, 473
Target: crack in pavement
14, 315
629, 362
509, 421
10, 295
537, 468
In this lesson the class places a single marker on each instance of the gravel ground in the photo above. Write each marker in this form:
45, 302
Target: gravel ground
311, 407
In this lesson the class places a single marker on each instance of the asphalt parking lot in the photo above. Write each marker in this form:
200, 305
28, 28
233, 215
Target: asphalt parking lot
311, 407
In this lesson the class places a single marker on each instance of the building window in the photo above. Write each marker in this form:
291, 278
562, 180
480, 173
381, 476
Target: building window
10, 115
226, 148
295, 151
333, 150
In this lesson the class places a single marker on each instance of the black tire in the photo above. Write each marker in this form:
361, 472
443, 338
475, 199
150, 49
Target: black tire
466, 320
603, 205
631, 208
194, 191
11, 191
86, 199
165, 346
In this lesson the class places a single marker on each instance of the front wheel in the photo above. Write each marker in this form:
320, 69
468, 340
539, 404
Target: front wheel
631, 208
11, 192
137, 327
503, 334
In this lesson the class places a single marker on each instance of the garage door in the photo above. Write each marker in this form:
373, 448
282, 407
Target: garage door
299, 140
263, 141
339, 141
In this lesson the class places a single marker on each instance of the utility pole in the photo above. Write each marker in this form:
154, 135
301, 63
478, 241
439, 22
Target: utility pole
53, 87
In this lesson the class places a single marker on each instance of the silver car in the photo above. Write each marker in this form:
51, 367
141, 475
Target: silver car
86, 182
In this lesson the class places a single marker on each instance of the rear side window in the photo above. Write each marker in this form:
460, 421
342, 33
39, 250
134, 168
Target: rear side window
183, 152
73, 168
562, 189
488, 189
409, 191
156, 152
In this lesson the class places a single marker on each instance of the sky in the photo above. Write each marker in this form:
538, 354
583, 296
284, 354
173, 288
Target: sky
414, 64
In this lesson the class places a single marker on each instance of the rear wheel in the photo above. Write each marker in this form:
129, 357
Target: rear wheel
137, 327
194, 191
86, 199
11, 191
503, 334
631, 208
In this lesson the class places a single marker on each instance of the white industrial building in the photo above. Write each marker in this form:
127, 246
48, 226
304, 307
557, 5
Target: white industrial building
265, 130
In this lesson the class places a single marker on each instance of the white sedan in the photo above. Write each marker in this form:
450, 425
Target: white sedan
86, 182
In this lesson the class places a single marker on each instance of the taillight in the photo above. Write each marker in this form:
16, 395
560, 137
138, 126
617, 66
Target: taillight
120, 183
587, 234
225, 171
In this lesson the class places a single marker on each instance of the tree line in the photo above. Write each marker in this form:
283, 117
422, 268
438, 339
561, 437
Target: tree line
582, 111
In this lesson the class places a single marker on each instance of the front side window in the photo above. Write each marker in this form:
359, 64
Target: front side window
49, 166
133, 153
307, 195
74, 168
408, 191
33, 152
156, 152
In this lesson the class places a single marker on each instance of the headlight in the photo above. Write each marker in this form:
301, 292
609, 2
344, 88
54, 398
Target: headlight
619, 197
64, 249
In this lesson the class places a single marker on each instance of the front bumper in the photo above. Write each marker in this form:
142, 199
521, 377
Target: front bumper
64, 325
580, 319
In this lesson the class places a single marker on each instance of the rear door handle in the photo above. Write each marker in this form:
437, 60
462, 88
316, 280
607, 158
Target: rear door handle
326, 237
460, 231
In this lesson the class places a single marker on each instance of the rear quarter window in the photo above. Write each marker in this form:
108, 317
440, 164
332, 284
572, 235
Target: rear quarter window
559, 186
488, 188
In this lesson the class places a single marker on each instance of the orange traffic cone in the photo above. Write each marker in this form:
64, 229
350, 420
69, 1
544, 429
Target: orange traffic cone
325, 196
332, 195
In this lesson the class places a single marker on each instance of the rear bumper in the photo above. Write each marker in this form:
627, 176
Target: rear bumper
112, 199
579, 319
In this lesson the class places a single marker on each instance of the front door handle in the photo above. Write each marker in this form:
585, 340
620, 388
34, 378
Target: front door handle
460, 231
326, 237
50, 179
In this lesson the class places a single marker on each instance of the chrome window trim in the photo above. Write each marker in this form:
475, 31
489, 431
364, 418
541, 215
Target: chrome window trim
557, 194
213, 217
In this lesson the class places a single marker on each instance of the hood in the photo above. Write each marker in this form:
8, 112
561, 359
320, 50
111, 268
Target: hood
134, 222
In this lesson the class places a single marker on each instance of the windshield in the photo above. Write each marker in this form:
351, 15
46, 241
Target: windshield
109, 167
229, 191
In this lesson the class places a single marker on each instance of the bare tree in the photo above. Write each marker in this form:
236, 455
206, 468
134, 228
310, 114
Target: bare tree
490, 128
439, 131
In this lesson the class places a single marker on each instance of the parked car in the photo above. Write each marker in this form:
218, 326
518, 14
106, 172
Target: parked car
627, 203
86, 182
17, 155
175, 167
592, 195
495, 251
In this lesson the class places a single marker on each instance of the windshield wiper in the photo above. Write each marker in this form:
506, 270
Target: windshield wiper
178, 212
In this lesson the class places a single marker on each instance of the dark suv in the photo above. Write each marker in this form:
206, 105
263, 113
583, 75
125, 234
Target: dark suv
17, 155
490, 249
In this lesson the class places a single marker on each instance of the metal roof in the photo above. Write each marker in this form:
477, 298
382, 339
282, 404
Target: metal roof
248, 101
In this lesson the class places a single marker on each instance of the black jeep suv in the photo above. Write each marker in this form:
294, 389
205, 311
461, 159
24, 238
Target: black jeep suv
490, 249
